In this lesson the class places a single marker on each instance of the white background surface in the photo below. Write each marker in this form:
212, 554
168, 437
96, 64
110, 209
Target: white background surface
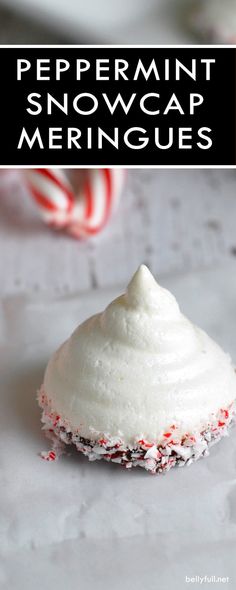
74, 524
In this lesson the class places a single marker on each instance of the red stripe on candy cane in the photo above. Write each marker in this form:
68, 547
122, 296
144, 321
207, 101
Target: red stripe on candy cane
41, 199
59, 180
108, 180
51, 196
89, 199
101, 198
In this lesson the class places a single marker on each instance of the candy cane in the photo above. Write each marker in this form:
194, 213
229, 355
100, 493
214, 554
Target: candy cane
82, 214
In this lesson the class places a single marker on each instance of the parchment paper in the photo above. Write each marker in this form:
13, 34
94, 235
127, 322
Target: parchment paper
75, 524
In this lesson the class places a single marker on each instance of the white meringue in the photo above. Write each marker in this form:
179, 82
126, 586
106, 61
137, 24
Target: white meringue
138, 368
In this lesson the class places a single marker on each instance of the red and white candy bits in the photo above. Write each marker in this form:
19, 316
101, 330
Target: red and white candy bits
81, 210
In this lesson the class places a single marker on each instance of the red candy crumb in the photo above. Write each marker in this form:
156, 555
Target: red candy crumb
102, 441
51, 456
144, 443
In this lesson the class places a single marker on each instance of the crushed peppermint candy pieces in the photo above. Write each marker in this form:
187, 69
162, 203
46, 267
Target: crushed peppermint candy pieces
155, 458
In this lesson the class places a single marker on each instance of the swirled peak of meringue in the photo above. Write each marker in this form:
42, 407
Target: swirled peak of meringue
144, 292
138, 368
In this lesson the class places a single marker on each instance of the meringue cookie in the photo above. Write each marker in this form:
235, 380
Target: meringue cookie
138, 372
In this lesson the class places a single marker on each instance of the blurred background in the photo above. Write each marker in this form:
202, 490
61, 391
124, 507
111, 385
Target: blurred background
126, 21
101, 21
173, 220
